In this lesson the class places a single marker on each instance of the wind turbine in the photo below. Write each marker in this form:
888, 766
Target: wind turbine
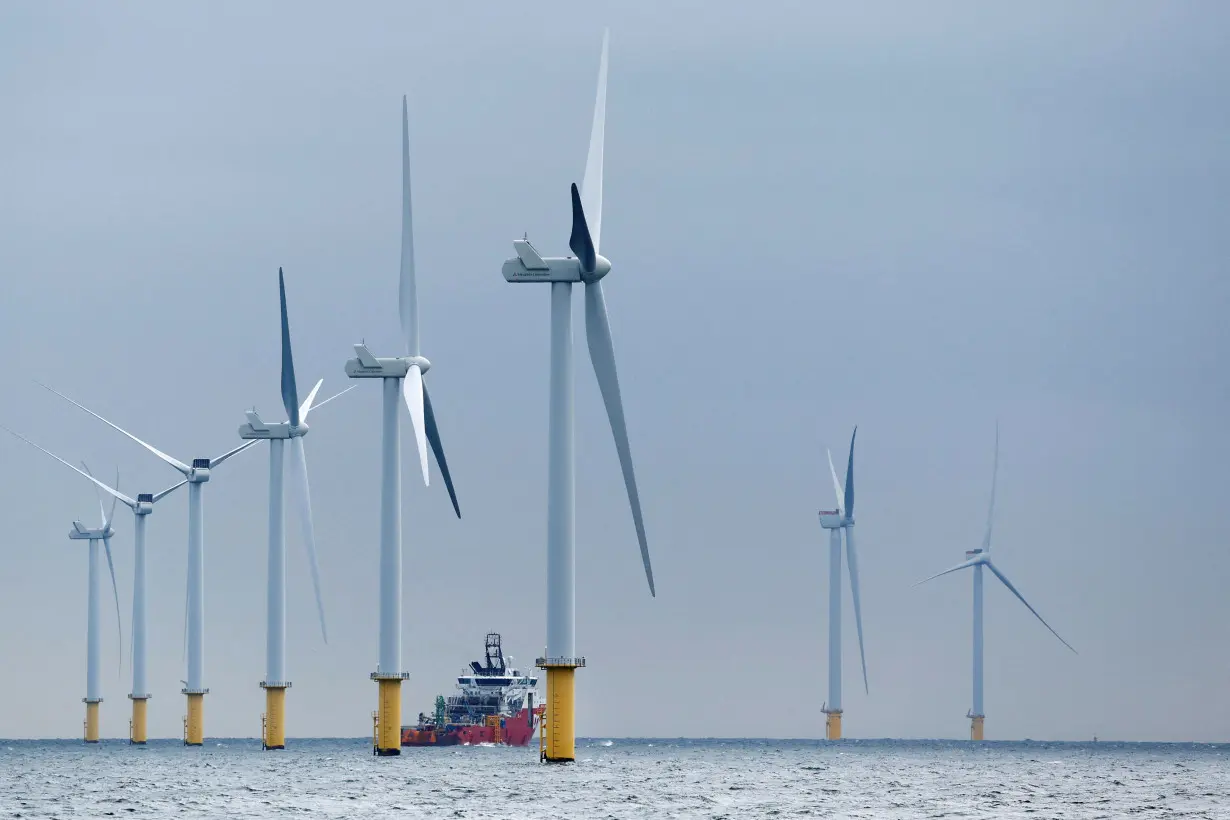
588, 267
141, 507
402, 376
273, 735
195, 476
836, 522
976, 560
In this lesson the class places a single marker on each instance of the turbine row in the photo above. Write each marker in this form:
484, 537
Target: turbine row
840, 521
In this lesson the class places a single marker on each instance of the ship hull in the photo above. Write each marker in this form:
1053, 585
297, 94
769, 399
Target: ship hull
514, 730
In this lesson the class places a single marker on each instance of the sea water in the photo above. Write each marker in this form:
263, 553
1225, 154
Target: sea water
615, 778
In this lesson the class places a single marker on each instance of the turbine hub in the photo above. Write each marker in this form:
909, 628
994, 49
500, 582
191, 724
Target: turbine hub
421, 361
602, 266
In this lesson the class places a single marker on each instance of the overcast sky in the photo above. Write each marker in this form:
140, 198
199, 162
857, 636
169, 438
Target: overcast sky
917, 218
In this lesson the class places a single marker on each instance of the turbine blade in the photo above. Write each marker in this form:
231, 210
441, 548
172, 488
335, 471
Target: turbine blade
326, 401
581, 241
97, 483
169, 490
986, 541
852, 560
850, 478
290, 393
307, 405
433, 438
119, 621
215, 462
407, 297
602, 354
303, 502
102, 510
1021, 597
111, 515
836, 485
179, 465
412, 392
591, 183
963, 565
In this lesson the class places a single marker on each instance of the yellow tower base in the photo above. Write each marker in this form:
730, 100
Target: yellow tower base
273, 733
560, 720
91, 719
975, 727
832, 726
388, 713
194, 723
136, 730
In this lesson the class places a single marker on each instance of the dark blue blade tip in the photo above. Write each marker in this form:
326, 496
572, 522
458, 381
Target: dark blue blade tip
850, 477
290, 391
581, 242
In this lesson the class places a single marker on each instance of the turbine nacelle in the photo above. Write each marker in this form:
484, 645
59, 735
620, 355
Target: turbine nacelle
80, 532
256, 428
529, 266
831, 519
367, 366
145, 504
199, 472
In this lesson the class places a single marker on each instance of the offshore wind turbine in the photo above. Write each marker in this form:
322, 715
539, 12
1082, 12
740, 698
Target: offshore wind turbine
588, 267
195, 476
275, 684
93, 653
976, 560
141, 508
401, 376
836, 522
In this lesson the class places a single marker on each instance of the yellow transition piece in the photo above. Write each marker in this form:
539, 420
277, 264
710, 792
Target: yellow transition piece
832, 726
975, 728
137, 733
275, 718
194, 729
388, 735
561, 714
91, 721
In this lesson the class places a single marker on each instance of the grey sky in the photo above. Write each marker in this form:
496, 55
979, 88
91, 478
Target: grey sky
913, 219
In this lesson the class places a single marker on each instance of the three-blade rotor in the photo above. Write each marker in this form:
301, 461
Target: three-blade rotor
982, 557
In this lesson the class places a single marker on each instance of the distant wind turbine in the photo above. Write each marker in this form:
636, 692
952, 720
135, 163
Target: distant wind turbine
978, 559
141, 507
836, 522
196, 476
93, 653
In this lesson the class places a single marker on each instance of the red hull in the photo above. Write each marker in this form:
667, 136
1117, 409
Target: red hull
514, 730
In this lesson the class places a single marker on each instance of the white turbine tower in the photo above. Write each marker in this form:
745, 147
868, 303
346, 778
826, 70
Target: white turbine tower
977, 559
141, 508
588, 267
836, 522
273, 733
402, 375
196, 476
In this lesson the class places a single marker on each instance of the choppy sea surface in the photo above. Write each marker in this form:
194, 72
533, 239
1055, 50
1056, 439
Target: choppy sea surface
618, 779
